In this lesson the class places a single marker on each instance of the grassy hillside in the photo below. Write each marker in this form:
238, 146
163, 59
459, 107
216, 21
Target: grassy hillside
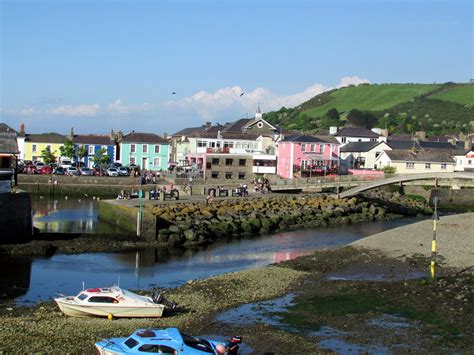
370, 97
461, 94
404, 108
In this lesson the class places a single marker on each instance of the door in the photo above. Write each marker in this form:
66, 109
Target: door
145, 163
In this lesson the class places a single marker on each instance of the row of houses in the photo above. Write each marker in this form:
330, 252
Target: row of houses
251, 146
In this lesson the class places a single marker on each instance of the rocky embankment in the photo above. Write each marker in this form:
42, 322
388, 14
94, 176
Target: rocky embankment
196, 223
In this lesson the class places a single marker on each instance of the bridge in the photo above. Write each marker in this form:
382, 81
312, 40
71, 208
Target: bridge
400, 179
356, 184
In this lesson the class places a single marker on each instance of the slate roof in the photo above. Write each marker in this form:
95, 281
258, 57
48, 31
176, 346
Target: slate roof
93, 139
136, 137
238, 125
224, 135
399, 137
45, 138
8, 144
420, 156
359, 146
189, 130
356, 132
305, 138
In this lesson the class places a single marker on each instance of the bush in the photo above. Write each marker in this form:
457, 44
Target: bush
389, 169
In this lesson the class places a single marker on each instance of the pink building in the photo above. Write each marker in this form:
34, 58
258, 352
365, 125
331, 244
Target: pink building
302, 155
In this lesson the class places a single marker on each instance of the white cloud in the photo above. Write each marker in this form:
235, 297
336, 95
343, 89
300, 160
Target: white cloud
118, 107
352, 80
78, 110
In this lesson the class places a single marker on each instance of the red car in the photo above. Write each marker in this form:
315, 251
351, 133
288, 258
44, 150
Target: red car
47, 169
31, 169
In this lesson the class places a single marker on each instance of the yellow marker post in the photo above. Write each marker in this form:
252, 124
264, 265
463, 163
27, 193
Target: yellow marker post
435, 218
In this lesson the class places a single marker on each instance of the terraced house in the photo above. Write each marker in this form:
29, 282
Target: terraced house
147, 150
34, 144
95, 144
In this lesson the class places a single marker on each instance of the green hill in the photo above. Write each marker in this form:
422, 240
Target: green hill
403, 108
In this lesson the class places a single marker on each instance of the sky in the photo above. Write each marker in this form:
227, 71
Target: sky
164, 65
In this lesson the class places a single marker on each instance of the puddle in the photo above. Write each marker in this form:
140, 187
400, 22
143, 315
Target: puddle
391, 322
243, 348
377, 272
261, 312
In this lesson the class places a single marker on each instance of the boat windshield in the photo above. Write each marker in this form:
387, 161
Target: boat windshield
82, 296
196, 343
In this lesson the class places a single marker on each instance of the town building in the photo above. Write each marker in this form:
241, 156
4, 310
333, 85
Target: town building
307, 155
8, 148
358, 134
416, 162
34, 144
96, 144
147, 150
361, 155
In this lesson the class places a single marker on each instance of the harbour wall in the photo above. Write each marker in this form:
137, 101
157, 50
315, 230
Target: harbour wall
16, 223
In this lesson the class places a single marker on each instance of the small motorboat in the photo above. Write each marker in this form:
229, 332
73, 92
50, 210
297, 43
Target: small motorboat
113, 302
166, 341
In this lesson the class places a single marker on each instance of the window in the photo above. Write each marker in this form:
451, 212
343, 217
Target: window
208, 165
145, 148
215, 161
469, 162
156, 162
242, 162
444, 166
82, 296
373, 139
303, 147
130, 342
260, 124
159, 349
133, 148
228, 144
241, 175
91, 150
377, 154
360, 139
228, 162
132, 160
343, 139
321, 148
428, 166
201, 143
311, 148
157, 149
48, 147
215, 175
410, 165
102, 299
34, 147
228, 175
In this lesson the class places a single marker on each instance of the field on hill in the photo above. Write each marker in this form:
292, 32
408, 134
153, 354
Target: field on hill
370, 97
463, 94
403, 108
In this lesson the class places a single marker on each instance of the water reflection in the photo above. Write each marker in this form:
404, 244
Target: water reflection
15, 273
173, 267
69, 215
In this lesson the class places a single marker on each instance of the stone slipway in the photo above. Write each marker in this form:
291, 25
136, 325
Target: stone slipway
455, 240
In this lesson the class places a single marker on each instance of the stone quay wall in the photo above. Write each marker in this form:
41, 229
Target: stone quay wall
16, 224
449, 198
194, 223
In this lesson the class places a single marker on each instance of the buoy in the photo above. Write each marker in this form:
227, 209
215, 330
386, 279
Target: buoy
110, 316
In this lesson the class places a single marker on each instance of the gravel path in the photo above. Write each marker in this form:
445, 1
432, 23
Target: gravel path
455, 240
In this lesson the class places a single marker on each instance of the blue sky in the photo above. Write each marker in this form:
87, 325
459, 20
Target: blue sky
101, 65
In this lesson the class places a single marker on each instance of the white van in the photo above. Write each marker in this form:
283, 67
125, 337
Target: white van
65, 163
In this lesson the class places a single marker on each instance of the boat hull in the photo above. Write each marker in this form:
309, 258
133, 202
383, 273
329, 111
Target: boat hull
117, 311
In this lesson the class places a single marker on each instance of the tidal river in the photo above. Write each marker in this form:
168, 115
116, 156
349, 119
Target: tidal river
38, 279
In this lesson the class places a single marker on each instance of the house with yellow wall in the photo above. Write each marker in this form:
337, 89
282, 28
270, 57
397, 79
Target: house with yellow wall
416, 162
36, 143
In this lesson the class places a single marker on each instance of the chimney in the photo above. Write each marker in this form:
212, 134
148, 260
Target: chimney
333, 130
219, 135
208, 124
22, 129
421, 135
385, 133
468, 142
165, 136
119, 136
112, 135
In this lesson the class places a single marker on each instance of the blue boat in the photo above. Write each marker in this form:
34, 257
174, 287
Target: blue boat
166, 341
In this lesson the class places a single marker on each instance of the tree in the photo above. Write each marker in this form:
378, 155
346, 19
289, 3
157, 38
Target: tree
359, 118
101, 159
332, 114
81, 154
48, 156
68, 150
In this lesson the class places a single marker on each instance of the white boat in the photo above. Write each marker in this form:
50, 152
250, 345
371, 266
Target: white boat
112, 302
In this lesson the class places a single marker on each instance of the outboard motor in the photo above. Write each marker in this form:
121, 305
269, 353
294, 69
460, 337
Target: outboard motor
158, 298
233, 345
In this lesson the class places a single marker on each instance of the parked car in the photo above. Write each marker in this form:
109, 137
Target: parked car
65, 163
122, 171
72, 171
86, 172
31, 169
112, 172
39, 165
59, 171
78, 164
47, 169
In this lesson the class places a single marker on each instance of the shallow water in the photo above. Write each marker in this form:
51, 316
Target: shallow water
28, 280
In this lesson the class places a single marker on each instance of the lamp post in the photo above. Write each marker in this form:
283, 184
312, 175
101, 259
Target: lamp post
434, 218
